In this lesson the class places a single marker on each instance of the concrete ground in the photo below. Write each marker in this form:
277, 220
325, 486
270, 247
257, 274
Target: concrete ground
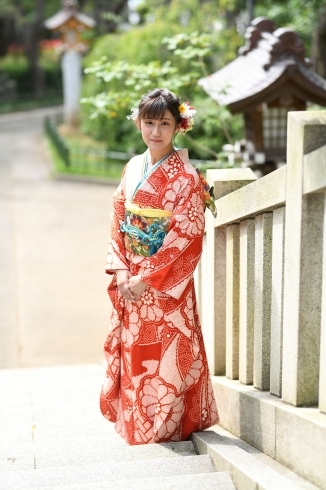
54, 307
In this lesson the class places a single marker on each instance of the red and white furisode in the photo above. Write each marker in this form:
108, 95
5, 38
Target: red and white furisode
157, 386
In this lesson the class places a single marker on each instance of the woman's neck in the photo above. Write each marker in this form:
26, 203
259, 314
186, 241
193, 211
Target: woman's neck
156, 156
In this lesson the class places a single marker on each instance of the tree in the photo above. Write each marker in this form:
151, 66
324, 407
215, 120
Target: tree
33, 48
307, 18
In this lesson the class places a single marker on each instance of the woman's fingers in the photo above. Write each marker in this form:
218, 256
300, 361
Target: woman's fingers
126, 293
136, 286
130, 287
123, 277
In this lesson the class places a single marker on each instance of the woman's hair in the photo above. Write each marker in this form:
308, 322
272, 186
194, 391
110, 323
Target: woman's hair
156, 102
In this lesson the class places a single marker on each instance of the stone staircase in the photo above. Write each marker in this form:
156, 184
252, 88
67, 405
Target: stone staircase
54, 437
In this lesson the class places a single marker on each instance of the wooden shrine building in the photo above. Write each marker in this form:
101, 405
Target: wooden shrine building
270, 77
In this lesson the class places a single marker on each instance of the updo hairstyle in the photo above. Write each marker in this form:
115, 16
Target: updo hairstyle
154, 104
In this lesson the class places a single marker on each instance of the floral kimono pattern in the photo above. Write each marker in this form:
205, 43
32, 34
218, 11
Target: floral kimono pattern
157, 386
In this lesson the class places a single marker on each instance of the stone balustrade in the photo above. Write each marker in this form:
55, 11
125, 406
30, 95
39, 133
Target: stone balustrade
262, 271
262, 281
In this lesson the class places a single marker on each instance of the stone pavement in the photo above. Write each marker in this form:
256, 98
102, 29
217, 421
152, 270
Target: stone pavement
54, 437
54, 307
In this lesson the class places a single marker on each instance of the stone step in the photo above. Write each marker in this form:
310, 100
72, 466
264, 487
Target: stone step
249, 468
99, 472
275, 428
205, 481
27, 430
78, 451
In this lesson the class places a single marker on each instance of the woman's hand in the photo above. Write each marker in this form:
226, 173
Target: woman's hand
123, 277
136, 286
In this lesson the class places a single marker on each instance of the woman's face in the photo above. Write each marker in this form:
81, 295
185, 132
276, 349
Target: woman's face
158, 133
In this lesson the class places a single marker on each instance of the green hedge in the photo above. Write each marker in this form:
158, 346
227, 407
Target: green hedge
17, 68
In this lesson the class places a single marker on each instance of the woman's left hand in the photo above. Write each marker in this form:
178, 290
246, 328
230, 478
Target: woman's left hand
136, 286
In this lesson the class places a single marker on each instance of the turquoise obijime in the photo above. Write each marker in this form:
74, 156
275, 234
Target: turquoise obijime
144, 236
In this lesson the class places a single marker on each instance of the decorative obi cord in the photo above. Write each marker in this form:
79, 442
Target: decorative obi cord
145, 229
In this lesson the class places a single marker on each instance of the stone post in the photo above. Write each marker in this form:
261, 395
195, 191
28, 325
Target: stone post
277, 301
247, 301
71, 73
302, 265
262, 315
232, 300
213, 281
322, 372
214, 267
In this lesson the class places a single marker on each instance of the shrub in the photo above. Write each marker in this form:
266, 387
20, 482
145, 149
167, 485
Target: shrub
16, 67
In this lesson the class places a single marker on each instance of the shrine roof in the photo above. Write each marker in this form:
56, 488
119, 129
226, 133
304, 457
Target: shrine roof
269, 60
64, 15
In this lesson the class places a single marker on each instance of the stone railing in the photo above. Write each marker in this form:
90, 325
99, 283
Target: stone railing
261, 287
262, 276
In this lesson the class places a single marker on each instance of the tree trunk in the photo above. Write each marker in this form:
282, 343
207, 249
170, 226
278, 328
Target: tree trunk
318, 51
33, 49
7, 32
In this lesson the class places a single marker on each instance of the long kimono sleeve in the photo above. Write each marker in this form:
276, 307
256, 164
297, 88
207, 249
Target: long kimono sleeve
171, 268
116, 258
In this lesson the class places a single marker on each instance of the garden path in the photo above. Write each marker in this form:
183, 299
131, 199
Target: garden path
54, 307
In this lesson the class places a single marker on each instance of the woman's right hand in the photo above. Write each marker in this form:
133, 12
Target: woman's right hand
123, 277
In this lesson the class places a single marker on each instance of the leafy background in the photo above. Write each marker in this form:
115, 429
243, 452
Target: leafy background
173, 44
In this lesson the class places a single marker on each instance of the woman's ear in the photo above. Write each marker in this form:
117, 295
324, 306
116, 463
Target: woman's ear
137, 122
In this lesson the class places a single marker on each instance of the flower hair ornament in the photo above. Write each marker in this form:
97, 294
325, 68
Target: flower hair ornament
134, 114
187, 113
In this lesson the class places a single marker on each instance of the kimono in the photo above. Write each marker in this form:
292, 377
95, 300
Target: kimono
157, 386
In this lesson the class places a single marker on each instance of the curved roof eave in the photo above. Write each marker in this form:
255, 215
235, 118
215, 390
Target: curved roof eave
228, 95
61, 17
311, 86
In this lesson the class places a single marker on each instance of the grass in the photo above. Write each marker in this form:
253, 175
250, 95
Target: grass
113, 170
74, 138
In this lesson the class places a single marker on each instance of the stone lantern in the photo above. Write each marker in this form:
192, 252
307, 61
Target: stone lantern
269, 78
71, 24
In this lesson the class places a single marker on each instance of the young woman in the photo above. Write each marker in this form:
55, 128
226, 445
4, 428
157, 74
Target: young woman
158, 387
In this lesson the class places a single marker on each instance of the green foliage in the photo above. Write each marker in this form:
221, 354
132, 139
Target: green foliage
17, 68
300, 15
189, 15
179, 42
115, 86
117, 62
14, 64
139, 45
125, 84
214, 127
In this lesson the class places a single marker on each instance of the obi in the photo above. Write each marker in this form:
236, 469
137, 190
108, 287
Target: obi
145, 229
